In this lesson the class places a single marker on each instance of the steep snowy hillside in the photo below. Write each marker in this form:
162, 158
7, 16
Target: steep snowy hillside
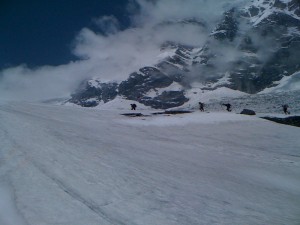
68, 165
250, 49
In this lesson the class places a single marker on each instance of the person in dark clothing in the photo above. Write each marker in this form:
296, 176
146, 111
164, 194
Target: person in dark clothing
201, 106
228, 107
133, 106
285, 109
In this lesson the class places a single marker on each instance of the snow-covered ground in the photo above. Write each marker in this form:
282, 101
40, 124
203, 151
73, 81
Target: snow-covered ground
64, 165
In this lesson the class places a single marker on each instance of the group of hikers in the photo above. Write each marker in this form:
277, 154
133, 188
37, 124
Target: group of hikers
201, 106
227, 105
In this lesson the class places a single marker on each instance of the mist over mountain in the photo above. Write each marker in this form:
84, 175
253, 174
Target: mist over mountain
250, 47
171, 48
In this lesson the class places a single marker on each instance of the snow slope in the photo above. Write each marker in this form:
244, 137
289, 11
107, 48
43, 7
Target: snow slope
289, 83
68, 165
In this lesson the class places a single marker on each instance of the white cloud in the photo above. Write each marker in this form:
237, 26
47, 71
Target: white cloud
22, 83
107, 24
113, 54
160, 10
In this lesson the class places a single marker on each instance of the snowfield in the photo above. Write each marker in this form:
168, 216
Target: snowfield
64, 165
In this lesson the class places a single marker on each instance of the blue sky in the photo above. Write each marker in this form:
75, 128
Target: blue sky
39, 32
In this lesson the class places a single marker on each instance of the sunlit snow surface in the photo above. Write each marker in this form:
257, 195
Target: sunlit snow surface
72, 166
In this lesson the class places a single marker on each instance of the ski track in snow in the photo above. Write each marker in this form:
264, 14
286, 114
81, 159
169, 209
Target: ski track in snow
68, 165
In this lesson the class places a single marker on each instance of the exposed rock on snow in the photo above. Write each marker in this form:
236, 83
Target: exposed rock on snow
292, 120
248, 112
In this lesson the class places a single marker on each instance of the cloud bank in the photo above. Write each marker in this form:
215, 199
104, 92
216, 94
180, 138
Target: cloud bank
113, 54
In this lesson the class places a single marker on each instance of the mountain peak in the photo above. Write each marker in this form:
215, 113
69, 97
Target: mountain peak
251, 49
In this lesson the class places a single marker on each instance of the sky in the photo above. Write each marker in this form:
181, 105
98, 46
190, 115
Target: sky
47, 48
41, 32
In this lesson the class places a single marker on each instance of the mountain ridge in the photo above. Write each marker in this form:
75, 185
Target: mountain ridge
251, 49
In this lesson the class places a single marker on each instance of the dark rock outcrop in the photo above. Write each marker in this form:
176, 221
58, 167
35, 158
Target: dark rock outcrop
91, 93
292, 120
228, 28
248, 112
138, 84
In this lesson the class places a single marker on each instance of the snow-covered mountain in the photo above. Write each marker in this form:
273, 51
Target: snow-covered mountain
251, 49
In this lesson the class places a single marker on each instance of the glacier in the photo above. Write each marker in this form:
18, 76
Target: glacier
71, 165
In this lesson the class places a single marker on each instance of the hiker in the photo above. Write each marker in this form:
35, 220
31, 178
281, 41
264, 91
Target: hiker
228, 107
133, 106
285, 109
201, 106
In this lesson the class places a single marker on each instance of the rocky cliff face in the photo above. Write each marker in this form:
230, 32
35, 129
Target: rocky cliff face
263, 39
270, 47
90, 93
